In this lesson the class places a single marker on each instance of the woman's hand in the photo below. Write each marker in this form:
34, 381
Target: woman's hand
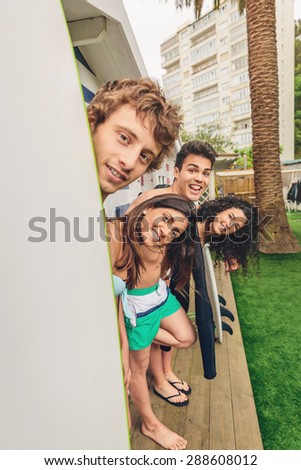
232, 265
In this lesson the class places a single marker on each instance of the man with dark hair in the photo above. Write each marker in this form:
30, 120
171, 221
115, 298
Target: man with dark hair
194, 162
195, 147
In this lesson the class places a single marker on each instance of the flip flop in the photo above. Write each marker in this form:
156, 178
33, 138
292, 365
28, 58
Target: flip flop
182, 403
165, 348
186, 392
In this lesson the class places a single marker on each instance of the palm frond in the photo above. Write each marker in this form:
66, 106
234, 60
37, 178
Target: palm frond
241, 6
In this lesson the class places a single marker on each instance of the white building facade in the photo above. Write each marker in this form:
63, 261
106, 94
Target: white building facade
206, 66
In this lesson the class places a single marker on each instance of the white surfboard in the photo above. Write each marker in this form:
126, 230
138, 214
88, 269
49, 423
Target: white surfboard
61, 378
212, 293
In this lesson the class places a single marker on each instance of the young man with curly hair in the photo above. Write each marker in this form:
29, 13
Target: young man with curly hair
133, 129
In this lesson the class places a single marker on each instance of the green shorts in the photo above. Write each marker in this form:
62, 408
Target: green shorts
147, 325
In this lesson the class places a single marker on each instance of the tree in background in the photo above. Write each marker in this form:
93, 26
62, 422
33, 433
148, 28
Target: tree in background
298, 89
240, 162
211, 133
276, 236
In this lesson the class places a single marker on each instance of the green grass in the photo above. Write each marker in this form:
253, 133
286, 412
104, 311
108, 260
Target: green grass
269, 309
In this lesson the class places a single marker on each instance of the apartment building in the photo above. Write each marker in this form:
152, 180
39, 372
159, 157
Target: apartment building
206, 64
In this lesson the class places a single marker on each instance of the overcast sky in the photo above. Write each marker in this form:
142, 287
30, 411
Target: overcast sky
153, 21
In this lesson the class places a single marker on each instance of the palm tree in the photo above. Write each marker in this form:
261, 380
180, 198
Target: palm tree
276, 235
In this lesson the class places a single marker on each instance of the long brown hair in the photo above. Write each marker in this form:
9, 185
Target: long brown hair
179, 252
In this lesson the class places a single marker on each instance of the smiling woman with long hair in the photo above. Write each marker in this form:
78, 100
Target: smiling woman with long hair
145, 247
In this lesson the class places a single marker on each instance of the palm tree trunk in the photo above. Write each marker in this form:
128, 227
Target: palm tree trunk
275, 233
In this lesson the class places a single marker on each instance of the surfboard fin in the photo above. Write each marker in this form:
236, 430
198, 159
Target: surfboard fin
221, 300
226, 313
226, 327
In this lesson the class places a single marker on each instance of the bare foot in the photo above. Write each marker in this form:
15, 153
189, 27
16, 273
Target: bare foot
178, 383
167, 390
164, 436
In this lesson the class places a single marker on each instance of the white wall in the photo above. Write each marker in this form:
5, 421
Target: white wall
61, 381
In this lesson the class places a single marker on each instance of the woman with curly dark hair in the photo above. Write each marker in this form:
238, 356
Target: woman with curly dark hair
230, 226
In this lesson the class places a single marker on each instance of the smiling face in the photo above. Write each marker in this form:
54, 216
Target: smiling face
228, 221
193, 178
124, 147
160, 226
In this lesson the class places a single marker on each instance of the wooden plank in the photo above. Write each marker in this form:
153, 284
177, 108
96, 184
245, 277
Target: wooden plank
247, 432
222, 434
197, 419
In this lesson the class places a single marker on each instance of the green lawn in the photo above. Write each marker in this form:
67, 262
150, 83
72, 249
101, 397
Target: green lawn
269, 309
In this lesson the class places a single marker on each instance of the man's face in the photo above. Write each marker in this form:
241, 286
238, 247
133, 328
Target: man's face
193, 178
124, 147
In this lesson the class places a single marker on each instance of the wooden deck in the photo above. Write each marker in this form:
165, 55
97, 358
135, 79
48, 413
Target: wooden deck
221, 413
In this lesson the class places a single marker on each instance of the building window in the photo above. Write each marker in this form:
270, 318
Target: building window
239, 31
167, 166
224, 86
235, 16
241, 94
241, 109
176, 90
204, 50
205, 106
240, 78
224, 71
243, 139
206, 92
204, 78
239, 47
184, 34
171, 79
171, 54
239, 63
206, 119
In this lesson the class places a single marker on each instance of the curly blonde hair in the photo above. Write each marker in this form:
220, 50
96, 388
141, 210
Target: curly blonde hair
147, 97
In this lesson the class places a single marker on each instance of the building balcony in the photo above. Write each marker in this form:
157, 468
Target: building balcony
202, 23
